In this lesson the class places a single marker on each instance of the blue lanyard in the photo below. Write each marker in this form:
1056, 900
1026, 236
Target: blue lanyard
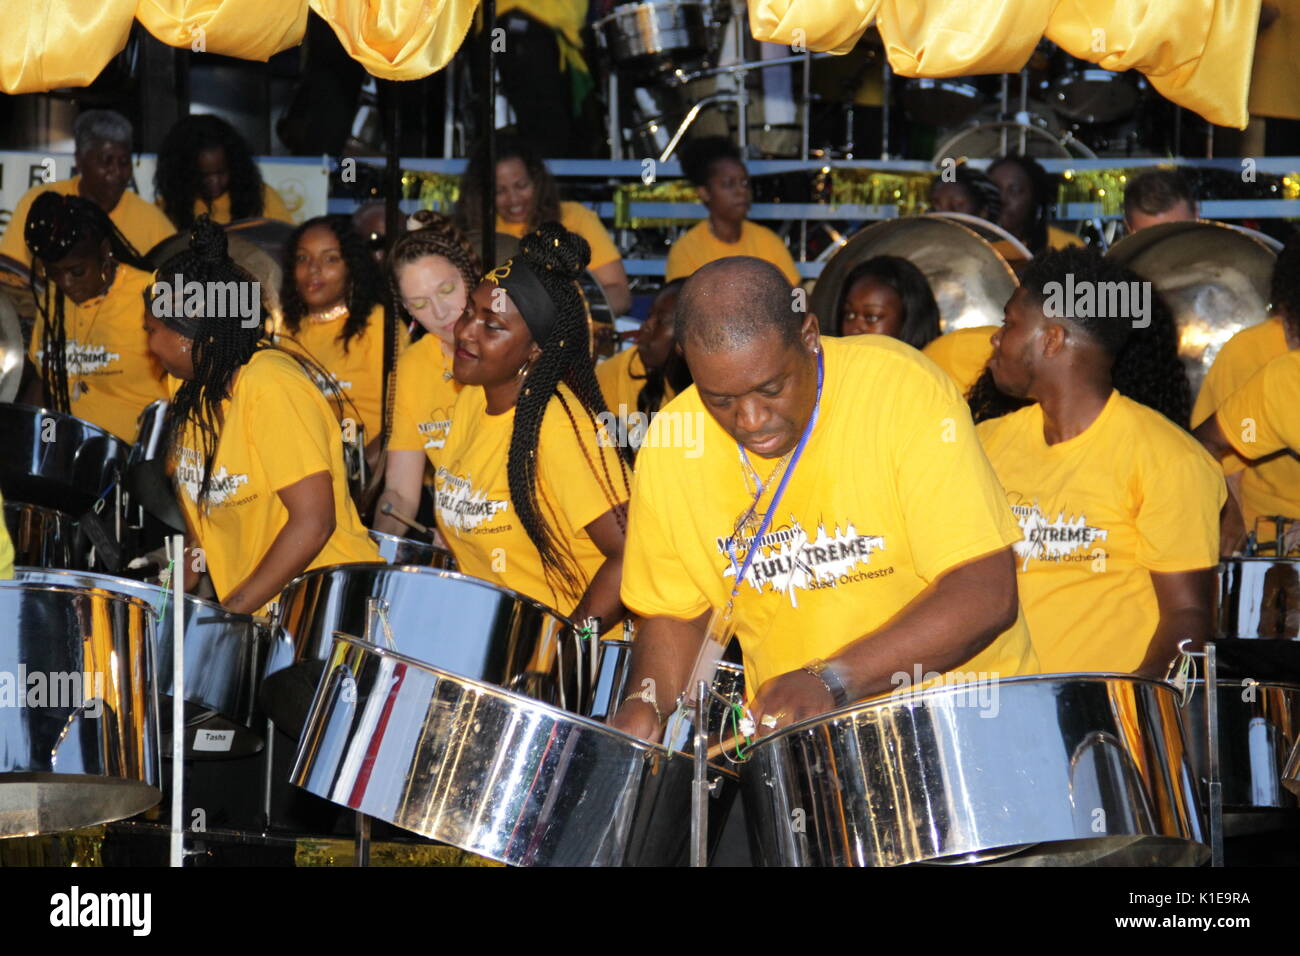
780, 488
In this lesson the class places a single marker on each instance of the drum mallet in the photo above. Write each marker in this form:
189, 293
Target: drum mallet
411, 523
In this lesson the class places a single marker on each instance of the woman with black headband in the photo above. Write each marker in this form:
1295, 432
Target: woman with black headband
531, 493
256, 449
89, 354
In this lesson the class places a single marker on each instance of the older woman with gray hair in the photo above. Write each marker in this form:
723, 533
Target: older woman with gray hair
103, 163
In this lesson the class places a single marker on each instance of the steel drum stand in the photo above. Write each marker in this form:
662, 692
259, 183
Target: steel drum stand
701, 788
1214, 787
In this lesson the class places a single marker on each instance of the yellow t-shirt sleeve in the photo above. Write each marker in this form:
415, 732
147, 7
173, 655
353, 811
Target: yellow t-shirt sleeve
1263, 416
578, 218
1178, 518
678, 265
273, 206
293, 437
6, 549
406, 413
566, 477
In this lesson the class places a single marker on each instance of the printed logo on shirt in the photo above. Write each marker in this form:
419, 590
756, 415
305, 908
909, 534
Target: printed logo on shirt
789, 562
462, 506
1061, 539
83, 359
327, 383
221, 488
435, 433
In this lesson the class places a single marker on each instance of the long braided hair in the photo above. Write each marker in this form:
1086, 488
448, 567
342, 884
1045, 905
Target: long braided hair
56, 225
177, 179
437, 236
365, 284
558, 257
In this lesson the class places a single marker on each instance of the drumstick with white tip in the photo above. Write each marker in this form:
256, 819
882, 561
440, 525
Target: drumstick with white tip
392, 512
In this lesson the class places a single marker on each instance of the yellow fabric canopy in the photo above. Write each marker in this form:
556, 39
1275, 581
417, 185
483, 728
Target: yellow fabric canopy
56, 43
1197, 53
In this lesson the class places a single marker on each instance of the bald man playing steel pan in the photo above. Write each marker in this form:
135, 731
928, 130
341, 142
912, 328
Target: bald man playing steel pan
883, 555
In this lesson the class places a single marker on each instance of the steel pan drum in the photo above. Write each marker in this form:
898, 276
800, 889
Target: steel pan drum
488, 771
43, 537
224, 656
1259, 597
646, 38
56, 460
1215, 279
12, 351
397, 550
1259, 726
449, 620
1059, 769
79, 721
970, 280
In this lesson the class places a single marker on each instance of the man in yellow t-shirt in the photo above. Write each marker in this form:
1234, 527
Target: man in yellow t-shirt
103, 158
714, 165
886, 561
1118, 505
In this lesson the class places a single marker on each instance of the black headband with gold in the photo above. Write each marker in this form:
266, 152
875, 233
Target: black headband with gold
532, 300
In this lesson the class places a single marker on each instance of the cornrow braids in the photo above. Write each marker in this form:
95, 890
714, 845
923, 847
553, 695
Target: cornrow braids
56, 225
558, 257
366, 286
437, 236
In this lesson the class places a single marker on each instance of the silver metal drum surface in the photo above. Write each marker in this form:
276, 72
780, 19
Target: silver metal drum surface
450, 620
1259, 726
43, 537
56, 460
397, 550
78, 712
1259, 598
224, 656
486, 770
648, 37
1051, 770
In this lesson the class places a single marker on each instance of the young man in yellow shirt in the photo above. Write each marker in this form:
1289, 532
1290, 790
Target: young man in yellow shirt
1118, 505
887, 557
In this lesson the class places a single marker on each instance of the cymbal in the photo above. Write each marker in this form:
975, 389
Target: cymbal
1214, 277
11, 349
970, 280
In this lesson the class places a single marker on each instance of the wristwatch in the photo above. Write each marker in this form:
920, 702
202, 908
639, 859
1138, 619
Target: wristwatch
827, 674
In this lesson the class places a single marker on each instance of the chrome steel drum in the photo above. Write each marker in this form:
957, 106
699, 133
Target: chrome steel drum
43, 537
941, 102
1094, 95
1259, 726
56, 460
224, 656
600, 317
646, 38
12, 351
396, 550
78, 713
449, 620
1051, 770
1259, 597
488, 771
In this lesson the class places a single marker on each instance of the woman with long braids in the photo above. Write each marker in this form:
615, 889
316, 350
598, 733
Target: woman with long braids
433, 271
256, 449
531, 493
333, 312
204, 166
89, 354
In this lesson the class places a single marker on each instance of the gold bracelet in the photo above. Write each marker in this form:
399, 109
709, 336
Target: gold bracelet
640, 695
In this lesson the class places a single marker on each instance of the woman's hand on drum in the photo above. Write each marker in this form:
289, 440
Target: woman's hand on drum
789, 698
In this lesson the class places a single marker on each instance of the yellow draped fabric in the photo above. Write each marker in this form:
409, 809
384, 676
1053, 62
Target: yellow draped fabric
57, 43
1196, 53
399, 39
249, 29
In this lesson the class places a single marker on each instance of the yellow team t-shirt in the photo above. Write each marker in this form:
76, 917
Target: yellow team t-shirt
278, 429
963, 354
112, 375
698, 246
143, 223
426, 395
358, 371
1263, 416
273, 207
575, 217
621, 378
1132, 494
6, 547
1269, 485
477, 516
892, 490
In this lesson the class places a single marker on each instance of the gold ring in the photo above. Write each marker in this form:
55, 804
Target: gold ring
769, 720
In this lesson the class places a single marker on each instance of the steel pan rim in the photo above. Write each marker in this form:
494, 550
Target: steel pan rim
14, 584
90, 426
1271, 559
519, 700
891, 700
629, 10
1169, 230
1232, 684
234, 616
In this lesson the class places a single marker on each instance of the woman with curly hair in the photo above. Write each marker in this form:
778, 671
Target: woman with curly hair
526, 197
256, 451
432, 271
531, 493
332, 303
204, 166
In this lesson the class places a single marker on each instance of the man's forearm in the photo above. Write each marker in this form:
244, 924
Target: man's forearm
1182, 624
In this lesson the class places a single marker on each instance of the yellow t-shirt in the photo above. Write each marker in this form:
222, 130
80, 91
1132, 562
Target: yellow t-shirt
963, 354
426, 395
475, 511
1263, 416
575, 217
359, 371
1133, 494
273, 207
278, 429
6, 547
698, 247
1061, 239
141, 222
891, 492
1270, 485
621, 378
112, 375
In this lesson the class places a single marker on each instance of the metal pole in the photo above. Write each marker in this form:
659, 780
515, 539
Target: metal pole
807, 105
449, 111
363, 839
886, 95
615, 124
1006, 109
700, 789
1023, 116
177, 855
1212, 736
489, 205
